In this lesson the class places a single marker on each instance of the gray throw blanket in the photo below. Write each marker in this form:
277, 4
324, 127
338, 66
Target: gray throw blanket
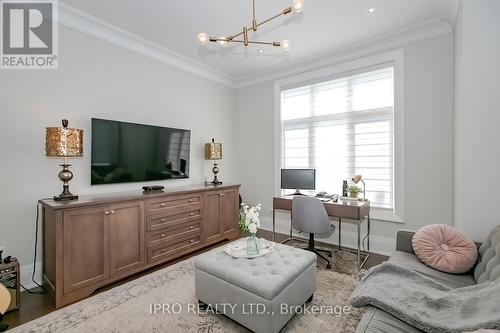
426, 304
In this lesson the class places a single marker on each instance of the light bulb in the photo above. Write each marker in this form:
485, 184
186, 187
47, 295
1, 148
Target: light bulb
222, 40
285, 44
298, 6
203, 38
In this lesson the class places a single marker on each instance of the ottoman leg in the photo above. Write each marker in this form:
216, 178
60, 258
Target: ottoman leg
310, 298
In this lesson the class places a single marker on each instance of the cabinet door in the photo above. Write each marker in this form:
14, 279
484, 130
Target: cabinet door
229, 212
86, 247
126, 230
211, 226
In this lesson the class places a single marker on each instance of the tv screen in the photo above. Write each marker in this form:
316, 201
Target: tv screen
126, 152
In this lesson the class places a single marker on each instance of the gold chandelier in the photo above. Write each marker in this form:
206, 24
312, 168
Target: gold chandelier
296, 7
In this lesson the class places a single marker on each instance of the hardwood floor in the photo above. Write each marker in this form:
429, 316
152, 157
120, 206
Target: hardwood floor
34, 306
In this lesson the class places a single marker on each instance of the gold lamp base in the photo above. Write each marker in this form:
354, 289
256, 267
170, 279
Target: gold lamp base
65, 175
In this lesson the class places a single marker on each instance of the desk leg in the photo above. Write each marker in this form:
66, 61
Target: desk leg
274, 225
340, 233
368, 239
359, 244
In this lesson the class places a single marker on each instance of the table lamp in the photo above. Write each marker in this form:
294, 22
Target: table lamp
213, 152
64, 142
356, 179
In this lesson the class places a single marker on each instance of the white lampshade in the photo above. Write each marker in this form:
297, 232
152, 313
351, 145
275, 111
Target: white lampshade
203, 38
298, 6
285, 44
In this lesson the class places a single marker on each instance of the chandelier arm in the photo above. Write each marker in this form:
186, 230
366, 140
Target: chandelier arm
254, 27
284, 12
255, 42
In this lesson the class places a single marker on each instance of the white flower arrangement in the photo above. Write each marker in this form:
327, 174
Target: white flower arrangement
250, 218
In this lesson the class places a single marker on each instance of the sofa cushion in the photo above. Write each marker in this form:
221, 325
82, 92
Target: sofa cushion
488, 267
451, 280
378, 321
265, 276
444, 248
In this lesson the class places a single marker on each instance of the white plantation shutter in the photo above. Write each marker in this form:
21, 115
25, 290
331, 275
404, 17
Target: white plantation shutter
343, 127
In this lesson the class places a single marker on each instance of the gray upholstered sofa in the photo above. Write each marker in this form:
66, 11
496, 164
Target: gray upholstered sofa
487, 269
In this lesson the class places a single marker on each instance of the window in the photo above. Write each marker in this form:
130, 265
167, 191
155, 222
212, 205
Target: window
343, 127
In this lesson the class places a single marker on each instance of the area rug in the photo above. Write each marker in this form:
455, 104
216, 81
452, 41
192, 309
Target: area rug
128, 308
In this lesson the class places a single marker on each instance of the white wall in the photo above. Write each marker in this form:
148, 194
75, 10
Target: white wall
428, 73
477, 117
97, 79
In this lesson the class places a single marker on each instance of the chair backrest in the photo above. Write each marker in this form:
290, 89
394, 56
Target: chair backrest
309, 215
488, 265
4, 299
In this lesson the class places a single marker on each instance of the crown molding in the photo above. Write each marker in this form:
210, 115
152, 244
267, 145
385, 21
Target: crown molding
399, 39
448, 11
83, 22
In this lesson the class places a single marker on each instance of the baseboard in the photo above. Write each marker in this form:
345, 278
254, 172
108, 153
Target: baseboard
26, 273
378, 244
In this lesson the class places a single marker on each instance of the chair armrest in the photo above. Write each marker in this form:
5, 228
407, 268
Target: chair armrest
404, 241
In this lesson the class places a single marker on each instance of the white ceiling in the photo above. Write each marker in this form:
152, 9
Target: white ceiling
324, 26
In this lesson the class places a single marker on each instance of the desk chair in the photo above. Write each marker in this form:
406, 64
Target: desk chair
309, 215
4, 305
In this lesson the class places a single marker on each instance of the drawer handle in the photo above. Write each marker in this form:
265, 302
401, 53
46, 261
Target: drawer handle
192, 213
191, 241
106, 213
112, 212
222, 194
191, 200
163, 235
163, 220
163, 250
162, 205
191, 227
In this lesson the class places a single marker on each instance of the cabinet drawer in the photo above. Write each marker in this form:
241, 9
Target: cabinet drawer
171, 235
169, 251
173, 219
160, 204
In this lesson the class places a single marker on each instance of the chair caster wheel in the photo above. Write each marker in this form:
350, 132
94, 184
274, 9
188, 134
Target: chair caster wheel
328, 266
330, 255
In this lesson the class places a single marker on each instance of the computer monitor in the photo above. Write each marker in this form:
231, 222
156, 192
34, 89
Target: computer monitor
298, 179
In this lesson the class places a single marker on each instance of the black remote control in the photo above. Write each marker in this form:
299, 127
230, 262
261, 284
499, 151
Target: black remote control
153, 188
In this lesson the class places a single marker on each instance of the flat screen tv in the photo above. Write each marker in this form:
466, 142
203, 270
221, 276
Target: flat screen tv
125, 152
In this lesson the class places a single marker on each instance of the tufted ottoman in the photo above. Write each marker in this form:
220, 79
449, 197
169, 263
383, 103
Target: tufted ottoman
257, 293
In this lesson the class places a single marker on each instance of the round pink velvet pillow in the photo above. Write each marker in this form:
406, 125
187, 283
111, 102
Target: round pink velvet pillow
444, 248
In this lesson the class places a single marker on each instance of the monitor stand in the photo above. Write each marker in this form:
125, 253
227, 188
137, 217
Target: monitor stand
297, 192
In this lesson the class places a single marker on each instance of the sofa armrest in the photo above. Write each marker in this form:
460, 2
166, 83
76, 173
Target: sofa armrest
404, 241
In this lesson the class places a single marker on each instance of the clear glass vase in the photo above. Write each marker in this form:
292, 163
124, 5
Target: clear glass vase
253, 245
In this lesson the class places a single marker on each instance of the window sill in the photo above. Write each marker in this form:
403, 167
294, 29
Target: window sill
385, 216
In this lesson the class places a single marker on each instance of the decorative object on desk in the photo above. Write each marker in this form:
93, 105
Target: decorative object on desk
64, 142
354, 191
344, 188
358, 178
250, 222
213, 152
239, 248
